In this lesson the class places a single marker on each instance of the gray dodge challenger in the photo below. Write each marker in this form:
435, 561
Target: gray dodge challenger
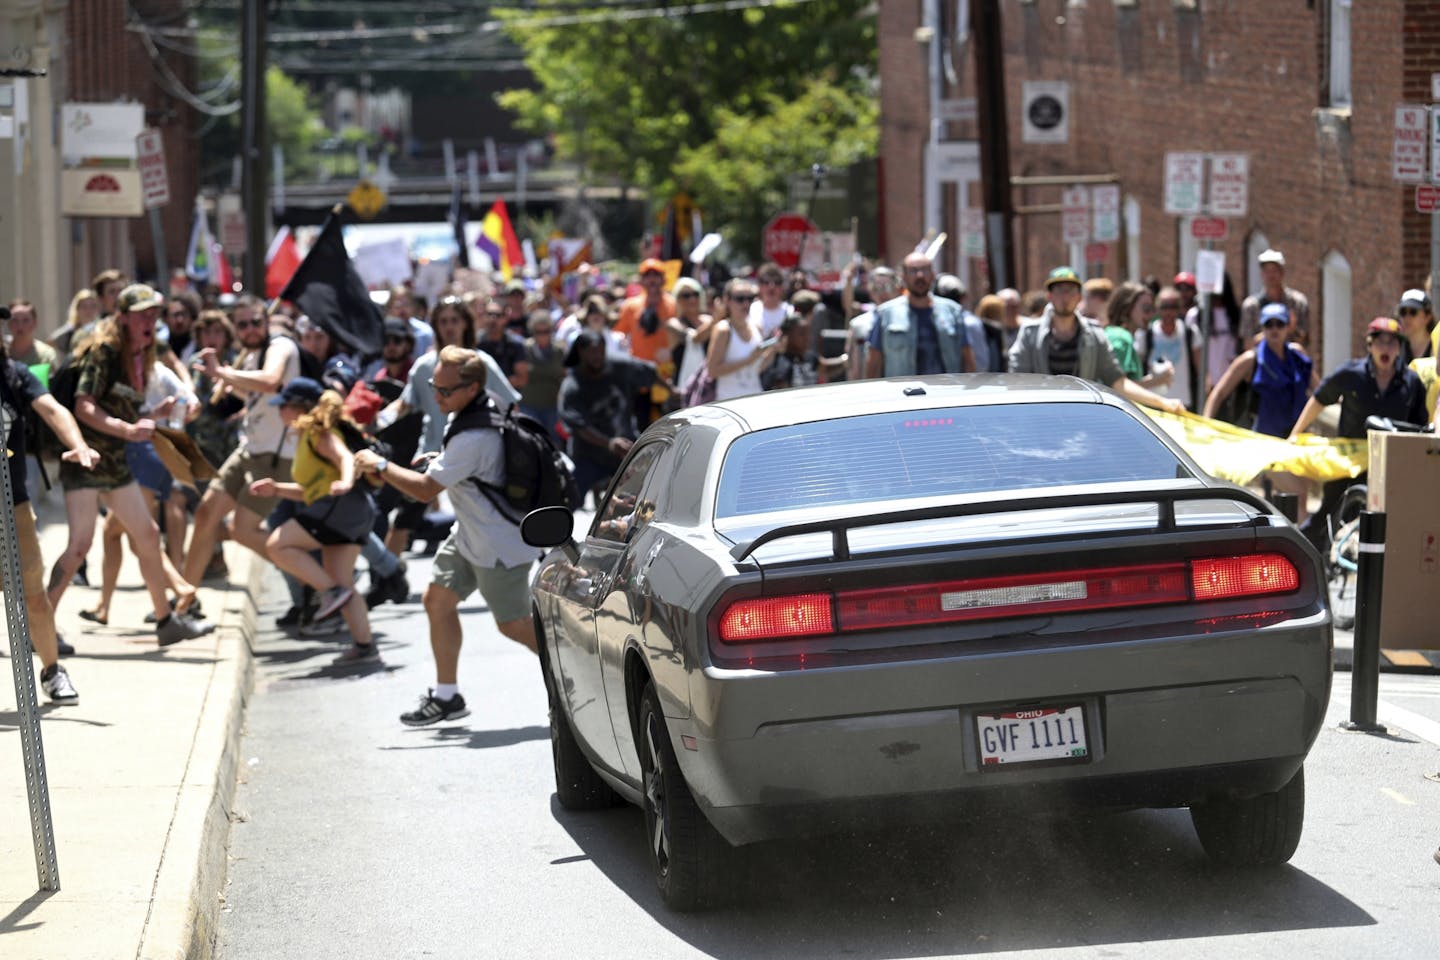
800, 612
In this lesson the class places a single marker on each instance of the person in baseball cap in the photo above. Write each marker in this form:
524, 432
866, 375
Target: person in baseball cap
138, 297
1185, 283
651, 265
1417, 320
1062, 275
301, 392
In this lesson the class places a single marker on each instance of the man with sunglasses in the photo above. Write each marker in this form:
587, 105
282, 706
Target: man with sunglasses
772, 308
918, 334
388, 374
266, 447
645, 318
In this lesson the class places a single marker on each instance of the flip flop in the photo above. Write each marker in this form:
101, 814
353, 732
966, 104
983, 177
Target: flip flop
94, 617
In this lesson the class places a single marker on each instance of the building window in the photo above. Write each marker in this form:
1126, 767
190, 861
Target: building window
1338, 80
1336, 301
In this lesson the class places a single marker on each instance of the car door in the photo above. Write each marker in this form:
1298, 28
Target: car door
593, 580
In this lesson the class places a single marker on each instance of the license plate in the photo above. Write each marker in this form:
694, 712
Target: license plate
1009, 737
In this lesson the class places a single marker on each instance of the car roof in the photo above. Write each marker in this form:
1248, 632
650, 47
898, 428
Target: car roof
855, 398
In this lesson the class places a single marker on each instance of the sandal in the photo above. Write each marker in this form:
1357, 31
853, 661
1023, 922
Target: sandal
94, 617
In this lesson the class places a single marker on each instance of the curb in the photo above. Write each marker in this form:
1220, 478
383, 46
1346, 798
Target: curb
185, 903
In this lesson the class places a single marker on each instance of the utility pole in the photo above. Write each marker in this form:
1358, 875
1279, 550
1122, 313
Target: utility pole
253, 155
994, 140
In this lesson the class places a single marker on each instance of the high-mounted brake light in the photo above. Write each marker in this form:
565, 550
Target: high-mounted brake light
1220, 578
777, 618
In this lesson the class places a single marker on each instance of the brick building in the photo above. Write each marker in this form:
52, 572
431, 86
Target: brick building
1308, 90
90, 55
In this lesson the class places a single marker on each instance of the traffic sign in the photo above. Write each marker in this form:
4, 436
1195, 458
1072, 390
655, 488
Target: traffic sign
1105, 206
1229, 184
1184, 182
366, 200
1208, 228
784, 235
1075, 215
1408, 149
1427, 198
1097, 252
154, 178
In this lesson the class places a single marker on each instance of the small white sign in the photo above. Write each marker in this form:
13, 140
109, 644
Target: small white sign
1184, 183
1229, 184
1408, 151
1210, 271
963, 108
972, 232
154, 178
1435, 144
100, 130
1435, 86
1105, 206
1045, 113
1075, 215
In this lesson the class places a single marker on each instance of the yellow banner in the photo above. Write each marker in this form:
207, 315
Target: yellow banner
1240, 456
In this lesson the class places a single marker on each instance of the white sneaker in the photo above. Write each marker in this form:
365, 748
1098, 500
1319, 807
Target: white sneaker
323, 628
58, 686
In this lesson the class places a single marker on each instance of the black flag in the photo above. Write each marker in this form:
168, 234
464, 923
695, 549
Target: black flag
457, 220
329, 291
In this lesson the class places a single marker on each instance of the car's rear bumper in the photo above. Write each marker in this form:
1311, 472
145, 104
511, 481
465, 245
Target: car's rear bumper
1169, 723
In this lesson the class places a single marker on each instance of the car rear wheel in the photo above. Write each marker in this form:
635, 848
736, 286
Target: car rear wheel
1260, 831
689, 858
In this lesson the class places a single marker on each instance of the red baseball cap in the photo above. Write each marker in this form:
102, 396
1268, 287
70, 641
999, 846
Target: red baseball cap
650, 264
1185, 279
1383, 325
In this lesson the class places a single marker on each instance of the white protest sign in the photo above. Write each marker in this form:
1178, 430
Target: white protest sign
1105, 206
1210, 271
383, 264
1184, 183
1408, 150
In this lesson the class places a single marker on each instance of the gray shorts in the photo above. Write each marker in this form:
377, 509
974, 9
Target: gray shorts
506, 589
242, 468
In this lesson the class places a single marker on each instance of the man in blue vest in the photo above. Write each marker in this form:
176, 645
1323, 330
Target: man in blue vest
918, 334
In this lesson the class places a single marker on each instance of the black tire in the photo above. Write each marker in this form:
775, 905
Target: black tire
1261, 831
577, 785
689, 858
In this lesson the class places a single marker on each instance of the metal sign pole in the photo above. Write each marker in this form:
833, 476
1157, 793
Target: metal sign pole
42, 830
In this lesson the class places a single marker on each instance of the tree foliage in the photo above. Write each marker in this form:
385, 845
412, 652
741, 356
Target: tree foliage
725, 106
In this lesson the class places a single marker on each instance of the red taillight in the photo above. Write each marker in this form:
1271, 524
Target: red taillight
1221, 578
994, 597
777, 618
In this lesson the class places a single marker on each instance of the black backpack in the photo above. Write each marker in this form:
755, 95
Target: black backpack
40, 440
536, 473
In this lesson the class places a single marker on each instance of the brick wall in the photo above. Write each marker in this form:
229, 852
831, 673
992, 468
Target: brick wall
904, 128
1227, 75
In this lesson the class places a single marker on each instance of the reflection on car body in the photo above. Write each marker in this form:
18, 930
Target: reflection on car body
921, 599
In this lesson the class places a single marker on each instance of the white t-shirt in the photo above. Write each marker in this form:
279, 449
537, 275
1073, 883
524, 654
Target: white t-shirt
1172, 348
483, 536
262, 430
768, 321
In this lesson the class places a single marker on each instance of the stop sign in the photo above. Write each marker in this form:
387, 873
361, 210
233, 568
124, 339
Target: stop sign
784, 236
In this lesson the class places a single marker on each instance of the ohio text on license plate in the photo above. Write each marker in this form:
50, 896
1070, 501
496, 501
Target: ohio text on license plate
1027, 736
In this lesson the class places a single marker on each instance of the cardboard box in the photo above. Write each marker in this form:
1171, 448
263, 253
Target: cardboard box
1405, 484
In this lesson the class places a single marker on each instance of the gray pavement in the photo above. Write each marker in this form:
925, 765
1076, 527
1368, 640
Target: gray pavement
141, 775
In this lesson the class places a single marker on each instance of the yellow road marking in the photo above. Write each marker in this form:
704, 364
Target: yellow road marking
1397, 796
1406, 658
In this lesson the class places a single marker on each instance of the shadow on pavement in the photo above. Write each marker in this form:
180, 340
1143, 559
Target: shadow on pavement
11, 922
475, 739
983, 888
52, 712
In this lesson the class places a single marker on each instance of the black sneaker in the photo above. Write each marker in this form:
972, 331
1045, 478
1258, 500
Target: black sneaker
433, 710
57, 686
176, 627
81, 577
290, 618
357, 654
65, 649
394, 589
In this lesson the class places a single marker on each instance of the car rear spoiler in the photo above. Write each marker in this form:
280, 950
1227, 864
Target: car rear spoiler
1164, 497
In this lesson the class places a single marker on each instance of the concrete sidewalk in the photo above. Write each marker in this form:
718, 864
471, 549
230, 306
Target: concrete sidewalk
141, 774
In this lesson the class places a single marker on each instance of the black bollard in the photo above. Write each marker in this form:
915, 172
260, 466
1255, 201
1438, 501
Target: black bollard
1365, 667
1287, 503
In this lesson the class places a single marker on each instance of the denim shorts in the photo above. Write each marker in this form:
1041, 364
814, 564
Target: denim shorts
148, 469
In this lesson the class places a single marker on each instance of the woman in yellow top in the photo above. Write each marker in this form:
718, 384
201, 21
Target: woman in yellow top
337, 514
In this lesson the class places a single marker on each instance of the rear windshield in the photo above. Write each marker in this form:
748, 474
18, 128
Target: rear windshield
962, 450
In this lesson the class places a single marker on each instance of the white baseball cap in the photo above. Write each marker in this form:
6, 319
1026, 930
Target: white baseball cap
1272, 256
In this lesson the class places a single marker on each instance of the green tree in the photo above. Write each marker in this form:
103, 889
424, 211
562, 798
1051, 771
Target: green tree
292, 122
724, 105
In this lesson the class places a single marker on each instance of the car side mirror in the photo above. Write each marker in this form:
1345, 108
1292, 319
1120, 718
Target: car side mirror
548, 527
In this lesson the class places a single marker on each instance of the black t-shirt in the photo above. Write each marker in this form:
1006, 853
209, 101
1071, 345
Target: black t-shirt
606, 403
507, 351
29, 389
1354, 387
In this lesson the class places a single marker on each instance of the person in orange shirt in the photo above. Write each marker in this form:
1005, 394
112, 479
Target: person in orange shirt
650, 335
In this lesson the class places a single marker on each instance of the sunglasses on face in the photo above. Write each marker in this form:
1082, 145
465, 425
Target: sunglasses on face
687, 295
1410, 311
772, 283
247, 324
389, 340
1274, 322
447, 392
1169, 306
742, 298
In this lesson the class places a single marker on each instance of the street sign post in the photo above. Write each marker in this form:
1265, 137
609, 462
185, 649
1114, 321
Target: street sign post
1209, 228
1075, 215
154, 179
1427, 198
784, 237
1408, 147
1105, 206
1184, 183
1229, 185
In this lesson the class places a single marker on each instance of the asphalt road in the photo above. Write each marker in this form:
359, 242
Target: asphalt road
356, 837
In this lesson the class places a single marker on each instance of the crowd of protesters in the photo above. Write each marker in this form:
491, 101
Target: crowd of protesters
203, 419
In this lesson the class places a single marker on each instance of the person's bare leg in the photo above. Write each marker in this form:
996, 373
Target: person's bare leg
340, 565
37, 602
1290, 483
129, 505
397, 541
248, 528
82, 507
112, 554
442, 609
175, 527
206, 532
290, 549
522, 632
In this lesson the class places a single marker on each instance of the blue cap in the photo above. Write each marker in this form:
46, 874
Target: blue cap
340, 375
1274, 311
301, 392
